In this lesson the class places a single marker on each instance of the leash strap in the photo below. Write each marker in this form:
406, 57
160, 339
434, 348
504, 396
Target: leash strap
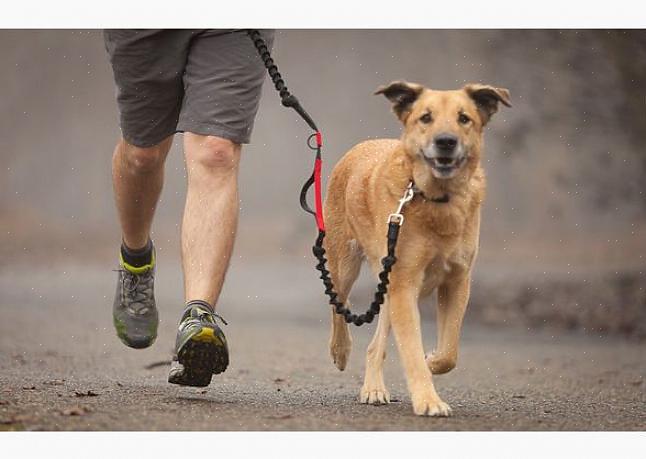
315, 179
290, 101
394, 220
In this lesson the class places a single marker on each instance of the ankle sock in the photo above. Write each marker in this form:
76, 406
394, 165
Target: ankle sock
137, 258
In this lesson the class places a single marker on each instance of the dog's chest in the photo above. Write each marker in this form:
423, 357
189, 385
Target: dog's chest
445, 263
435, 272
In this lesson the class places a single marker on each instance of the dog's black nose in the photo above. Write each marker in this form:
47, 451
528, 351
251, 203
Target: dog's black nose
446, 142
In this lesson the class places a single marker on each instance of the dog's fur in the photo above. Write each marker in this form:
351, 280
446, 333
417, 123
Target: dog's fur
438, 241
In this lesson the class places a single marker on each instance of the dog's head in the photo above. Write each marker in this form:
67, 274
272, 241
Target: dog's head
443, 129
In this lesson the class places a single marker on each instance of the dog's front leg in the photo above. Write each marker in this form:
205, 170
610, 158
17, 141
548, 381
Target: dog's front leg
452, 296
405, 320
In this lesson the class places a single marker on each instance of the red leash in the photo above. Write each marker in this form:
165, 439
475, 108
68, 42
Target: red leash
318, 164
315, 179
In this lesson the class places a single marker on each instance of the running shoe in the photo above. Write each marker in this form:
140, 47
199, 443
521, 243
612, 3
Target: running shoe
201, 348
134, 311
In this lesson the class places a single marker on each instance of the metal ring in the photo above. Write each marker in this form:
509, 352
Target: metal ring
396, 218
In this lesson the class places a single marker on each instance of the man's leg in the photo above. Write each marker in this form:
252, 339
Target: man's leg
208, 232
137, 179
210, 215
137, 176
222, 86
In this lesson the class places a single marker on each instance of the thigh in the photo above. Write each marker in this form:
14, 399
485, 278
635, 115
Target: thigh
223, 84
148, 66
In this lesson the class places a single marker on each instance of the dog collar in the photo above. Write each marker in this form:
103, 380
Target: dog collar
443, 199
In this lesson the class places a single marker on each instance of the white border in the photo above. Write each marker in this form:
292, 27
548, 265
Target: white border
324, 445
323, 14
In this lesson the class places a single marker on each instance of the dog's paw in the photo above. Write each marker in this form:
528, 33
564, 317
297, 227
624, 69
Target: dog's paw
340, 353
439, 364
428, 405
374, 396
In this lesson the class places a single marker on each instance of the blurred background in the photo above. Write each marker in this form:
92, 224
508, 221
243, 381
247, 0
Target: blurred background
564, 224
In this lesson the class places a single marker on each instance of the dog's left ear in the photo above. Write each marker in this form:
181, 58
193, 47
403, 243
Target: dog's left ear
402, 94
487, 98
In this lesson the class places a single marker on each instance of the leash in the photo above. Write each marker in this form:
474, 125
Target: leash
395, 220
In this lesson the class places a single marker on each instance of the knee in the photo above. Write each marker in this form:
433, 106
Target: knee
212, 153
143, 160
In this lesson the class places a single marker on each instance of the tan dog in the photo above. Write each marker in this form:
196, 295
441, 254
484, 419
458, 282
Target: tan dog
439, 151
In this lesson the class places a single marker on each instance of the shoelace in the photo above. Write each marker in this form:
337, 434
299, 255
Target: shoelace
203, 309
135, 292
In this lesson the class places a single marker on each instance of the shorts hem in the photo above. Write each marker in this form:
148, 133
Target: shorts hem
215, 129
140, 142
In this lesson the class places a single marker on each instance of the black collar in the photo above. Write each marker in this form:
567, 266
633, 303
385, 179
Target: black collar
442, 199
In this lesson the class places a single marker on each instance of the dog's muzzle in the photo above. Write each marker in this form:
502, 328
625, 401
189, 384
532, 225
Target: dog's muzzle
445, 155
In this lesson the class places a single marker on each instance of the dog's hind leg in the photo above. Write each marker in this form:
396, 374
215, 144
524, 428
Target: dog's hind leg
374, 390
344, 264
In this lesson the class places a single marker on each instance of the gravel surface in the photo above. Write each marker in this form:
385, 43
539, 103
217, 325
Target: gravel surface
62, 367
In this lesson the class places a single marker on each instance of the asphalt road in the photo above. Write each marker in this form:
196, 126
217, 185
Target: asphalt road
62, 367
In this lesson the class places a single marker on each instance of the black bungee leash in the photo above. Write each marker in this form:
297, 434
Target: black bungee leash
394, 220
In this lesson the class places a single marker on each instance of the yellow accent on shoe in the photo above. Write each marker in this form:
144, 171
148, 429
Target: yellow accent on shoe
137, 269
207, 334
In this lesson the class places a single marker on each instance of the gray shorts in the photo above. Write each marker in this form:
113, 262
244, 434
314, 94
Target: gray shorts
204, 81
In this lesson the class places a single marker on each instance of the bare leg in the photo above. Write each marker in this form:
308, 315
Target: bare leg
211, 214
374, 388
137, 179
452, 297
404, 316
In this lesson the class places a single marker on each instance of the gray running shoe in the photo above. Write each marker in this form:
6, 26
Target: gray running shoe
200, 349
134, 311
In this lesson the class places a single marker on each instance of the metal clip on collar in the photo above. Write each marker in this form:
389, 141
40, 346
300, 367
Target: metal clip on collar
398, 217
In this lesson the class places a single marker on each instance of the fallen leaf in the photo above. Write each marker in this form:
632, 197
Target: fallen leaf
160, 363
14, 419
86, 394
4, 402
76, 411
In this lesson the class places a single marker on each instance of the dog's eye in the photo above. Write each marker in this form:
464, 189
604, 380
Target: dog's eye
426, 118
463, 119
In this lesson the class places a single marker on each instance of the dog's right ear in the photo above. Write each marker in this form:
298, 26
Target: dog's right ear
402, 94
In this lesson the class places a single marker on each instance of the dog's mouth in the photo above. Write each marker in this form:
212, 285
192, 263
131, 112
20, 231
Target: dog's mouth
445, 167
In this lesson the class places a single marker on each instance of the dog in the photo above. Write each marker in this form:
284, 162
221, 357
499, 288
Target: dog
440, 153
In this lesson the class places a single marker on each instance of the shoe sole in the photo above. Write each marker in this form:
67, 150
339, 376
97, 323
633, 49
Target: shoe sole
201, 357
134, 344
